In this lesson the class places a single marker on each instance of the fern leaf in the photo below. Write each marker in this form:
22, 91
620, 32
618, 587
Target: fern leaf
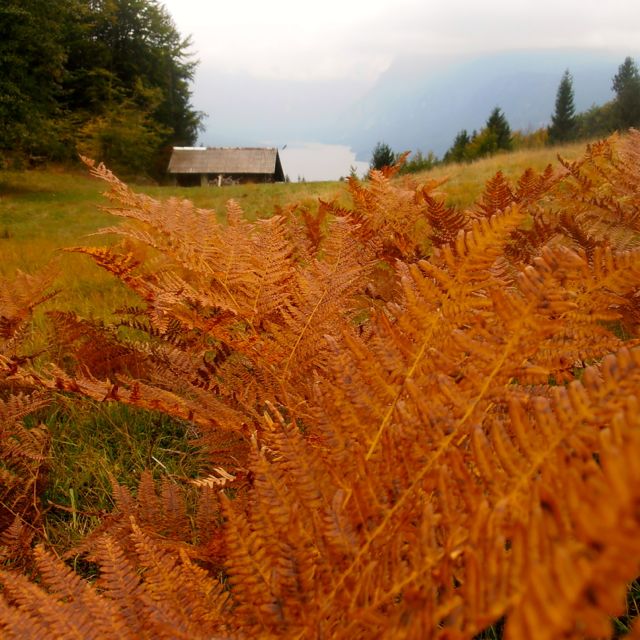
497, 196
250, 573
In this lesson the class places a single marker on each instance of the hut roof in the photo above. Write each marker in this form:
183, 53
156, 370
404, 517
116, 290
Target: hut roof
246, 160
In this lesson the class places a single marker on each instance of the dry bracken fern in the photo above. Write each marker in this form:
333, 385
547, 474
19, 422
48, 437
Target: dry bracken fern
427, 418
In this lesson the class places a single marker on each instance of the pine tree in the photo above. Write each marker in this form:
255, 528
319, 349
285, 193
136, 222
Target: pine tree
626, 84
382, 156
458, 150
497, 124
563, 121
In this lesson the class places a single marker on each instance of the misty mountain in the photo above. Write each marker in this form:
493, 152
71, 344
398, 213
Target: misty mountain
244, 110
416, 104
419, 105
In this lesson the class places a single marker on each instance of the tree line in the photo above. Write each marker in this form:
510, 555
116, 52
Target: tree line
106, 78
566, 125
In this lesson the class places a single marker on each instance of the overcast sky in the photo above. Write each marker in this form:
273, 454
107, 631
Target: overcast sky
270, 70
328, 39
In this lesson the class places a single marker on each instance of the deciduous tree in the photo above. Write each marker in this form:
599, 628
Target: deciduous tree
71, 67
124, 51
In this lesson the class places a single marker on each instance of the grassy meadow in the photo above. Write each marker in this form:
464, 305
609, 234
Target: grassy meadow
465, 181
92, 443
42, 212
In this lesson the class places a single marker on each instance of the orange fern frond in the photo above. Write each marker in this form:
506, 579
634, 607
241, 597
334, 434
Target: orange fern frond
23, 474
532, 186
18, 297
496, 197
445, 222
418, 421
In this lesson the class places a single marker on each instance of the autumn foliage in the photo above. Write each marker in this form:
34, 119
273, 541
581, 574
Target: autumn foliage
417, 421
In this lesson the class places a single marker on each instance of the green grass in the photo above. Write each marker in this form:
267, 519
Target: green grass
622, 625
95, 442
256, 200
44, 211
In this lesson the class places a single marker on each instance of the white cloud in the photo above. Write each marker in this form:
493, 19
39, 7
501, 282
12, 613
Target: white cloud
286, 39
298, 40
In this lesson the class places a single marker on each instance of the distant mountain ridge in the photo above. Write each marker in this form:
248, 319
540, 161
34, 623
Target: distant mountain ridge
417, 105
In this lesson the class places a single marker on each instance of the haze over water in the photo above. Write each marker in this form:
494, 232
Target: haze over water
315, 162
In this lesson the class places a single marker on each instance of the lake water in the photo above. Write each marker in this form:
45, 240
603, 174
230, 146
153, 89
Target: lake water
315, 162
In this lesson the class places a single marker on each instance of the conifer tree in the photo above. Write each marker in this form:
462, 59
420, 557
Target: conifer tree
497, 124
563, 121
458, 150
626, 84
383, 156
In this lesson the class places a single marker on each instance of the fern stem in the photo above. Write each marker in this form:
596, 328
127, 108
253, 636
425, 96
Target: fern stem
304, 329
446, 442
387, 416
311, 316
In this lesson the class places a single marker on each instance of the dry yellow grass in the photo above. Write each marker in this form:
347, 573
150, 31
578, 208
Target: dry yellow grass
465, 181
43, 211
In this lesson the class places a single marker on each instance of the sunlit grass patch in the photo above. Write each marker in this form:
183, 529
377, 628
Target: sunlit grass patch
466, 180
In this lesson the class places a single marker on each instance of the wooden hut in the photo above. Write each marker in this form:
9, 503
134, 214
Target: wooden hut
193, 166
